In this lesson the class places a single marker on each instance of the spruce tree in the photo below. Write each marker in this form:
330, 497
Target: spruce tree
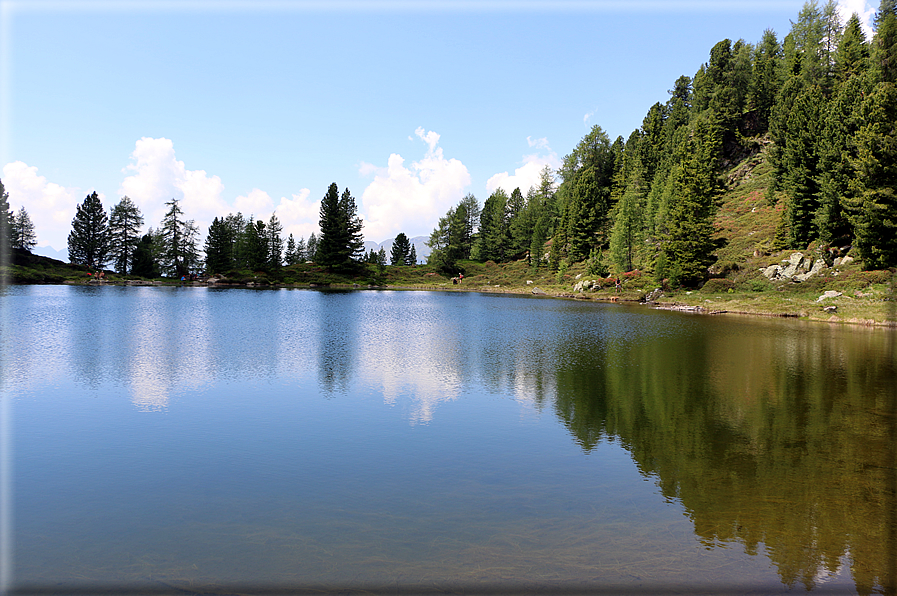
311, 248
88, 242
125, 221
875, 222
275, 243
400, 249
219, 247
23, 236
6, 220
411, 260
177, 240
144, 263
341, 241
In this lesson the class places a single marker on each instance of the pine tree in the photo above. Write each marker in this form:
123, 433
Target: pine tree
177, 242
689, 243
411, 261
341, 241
401, 247
143, 263
875, 222
219, 247
88, 242
801, 160
275, 243
853, 51
312, 248
6, 221
125, 221
23, 236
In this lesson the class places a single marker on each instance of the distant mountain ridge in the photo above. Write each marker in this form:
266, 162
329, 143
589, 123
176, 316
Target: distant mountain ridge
419, 243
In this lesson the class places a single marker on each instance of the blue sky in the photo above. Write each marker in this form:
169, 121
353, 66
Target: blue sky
258, 107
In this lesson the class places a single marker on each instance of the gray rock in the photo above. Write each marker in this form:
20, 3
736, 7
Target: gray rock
539, 292
796, 258
831, 308
828, 294
846, 261
772, 272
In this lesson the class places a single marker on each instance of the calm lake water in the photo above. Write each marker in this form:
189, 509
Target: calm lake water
194, 440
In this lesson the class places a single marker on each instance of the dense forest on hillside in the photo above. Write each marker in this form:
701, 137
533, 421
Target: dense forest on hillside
821, 104
819, 107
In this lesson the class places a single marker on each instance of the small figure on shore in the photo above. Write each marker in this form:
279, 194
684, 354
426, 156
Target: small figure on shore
618, 285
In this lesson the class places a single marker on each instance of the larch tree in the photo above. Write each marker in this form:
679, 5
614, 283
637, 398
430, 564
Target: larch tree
125, 221
23, 236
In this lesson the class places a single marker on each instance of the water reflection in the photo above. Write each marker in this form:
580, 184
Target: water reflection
776, 437
790, 445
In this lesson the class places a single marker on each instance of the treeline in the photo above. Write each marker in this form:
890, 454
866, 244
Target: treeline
234, 242
16, 228
824, 99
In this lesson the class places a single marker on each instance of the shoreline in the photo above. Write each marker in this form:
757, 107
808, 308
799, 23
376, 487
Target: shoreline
801, 309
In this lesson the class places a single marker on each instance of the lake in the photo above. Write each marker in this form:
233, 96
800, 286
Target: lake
215, 441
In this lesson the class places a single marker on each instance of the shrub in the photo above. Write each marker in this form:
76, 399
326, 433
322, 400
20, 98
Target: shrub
717, 285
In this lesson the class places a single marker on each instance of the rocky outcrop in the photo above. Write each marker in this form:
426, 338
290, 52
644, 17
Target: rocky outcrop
796, 268
587, 284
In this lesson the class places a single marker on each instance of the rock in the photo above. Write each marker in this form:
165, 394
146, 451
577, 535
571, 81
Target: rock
529, 282
846, 261
578, 275
585, 284
653, 295
831, 308
772, 272
796, 258
789, 271
828, 294
539, 292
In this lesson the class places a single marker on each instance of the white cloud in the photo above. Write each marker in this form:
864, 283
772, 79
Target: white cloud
299, 215
50, 206
160, 177
588, 116
847, 7
411, 199
528, 174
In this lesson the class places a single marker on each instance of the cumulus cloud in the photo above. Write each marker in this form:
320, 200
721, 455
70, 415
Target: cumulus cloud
528, 174
863, 9
411, 199
159, 176
588, 116
50, 206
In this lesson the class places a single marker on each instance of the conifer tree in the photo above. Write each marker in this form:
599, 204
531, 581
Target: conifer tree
177, 239
853, 51
23, 236
219, 247
88, 242
411, 261
125, 221
689, 244
875, 222
401, 247
290, 256
275, 243
6, 221
144, 263
311, 248
341, 241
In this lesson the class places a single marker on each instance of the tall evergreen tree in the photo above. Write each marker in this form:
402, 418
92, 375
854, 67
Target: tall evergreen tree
853, 51
144, 263
411, 260
88, 242
177, 239
311, 248
275, 243
400, 249
219, 247
875, 222
341, 241
688, 244
23, 236
6, 221
125, 221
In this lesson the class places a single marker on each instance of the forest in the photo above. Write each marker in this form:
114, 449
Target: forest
820, 104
